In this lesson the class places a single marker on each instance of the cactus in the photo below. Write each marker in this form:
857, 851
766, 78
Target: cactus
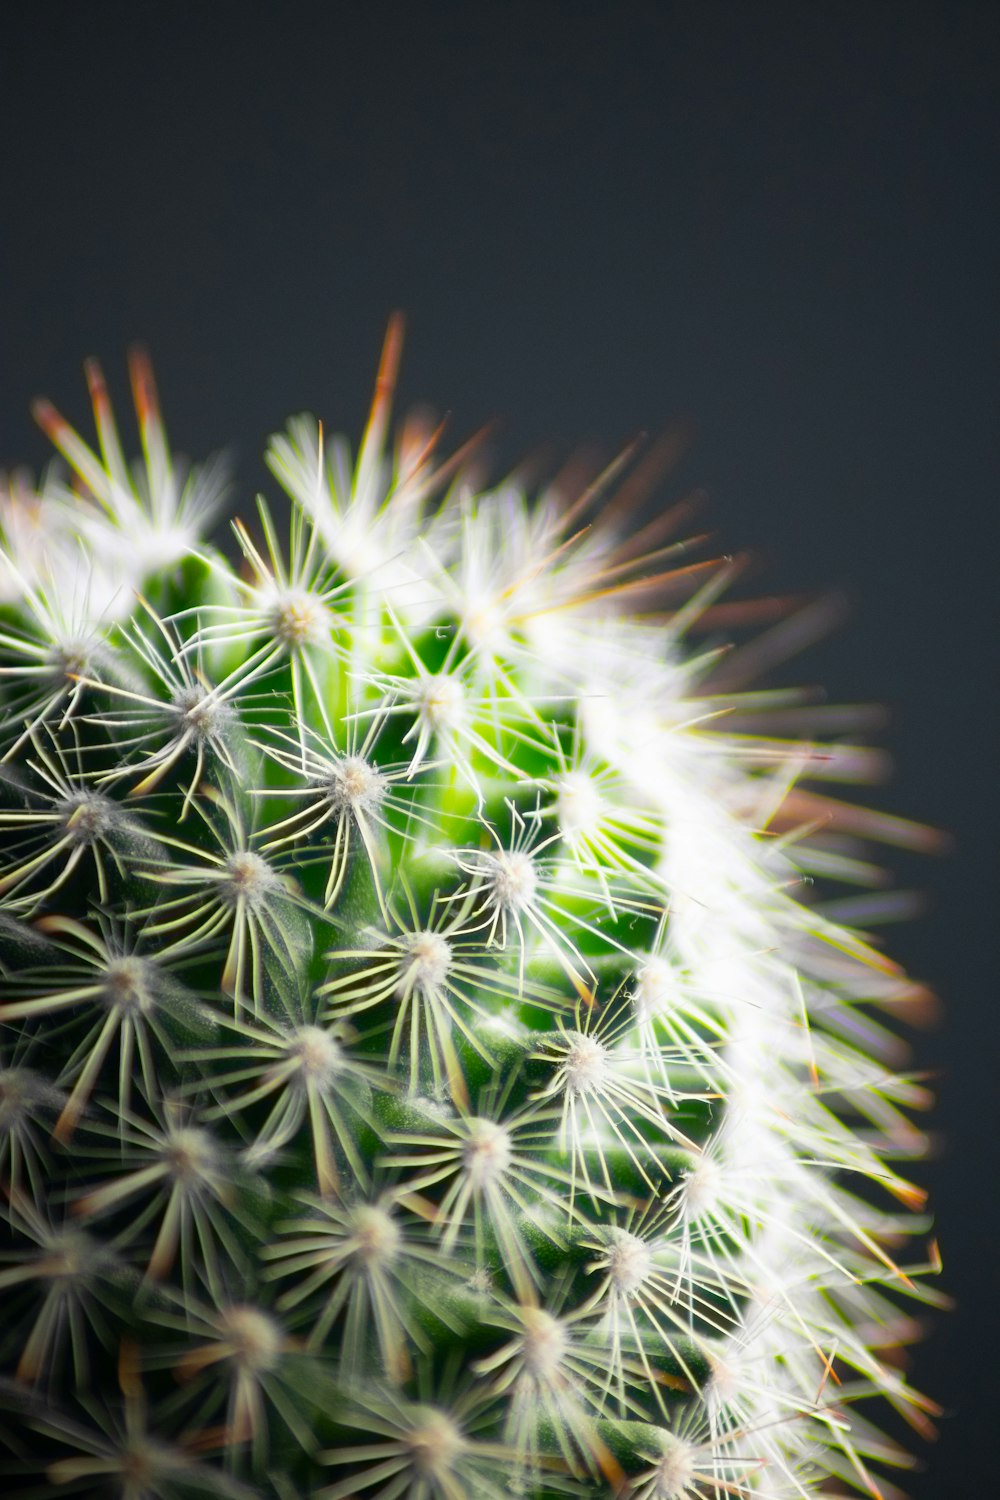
435, 1063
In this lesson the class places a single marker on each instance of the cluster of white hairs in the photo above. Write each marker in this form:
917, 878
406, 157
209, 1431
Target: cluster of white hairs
435, 1062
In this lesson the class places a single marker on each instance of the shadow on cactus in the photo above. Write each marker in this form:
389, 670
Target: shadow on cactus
435, 1061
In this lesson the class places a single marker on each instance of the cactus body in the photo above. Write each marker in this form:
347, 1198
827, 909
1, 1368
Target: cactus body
428, 1070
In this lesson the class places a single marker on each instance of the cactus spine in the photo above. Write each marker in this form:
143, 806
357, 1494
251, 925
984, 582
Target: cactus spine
425, 1070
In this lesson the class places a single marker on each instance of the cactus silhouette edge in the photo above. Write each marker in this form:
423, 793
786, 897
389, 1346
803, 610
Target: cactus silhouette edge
444, 1052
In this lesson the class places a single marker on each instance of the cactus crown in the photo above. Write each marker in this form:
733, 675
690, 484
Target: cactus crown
426, 1071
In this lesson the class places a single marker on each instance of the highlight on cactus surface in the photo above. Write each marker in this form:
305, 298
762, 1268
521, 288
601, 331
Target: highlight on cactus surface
443, 1054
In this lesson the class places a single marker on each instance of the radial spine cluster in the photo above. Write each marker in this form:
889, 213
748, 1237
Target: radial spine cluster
436, 1059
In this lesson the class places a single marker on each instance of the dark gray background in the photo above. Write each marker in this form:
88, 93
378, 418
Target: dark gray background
777, 220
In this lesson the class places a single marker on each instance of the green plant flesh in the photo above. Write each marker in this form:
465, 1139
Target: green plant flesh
438, 1057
